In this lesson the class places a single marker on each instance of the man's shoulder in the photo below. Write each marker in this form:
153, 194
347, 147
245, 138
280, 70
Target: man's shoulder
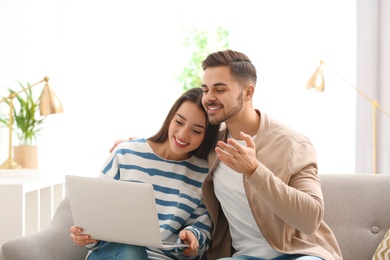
281, 130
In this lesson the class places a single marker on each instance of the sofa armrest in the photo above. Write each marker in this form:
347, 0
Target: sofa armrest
51, 243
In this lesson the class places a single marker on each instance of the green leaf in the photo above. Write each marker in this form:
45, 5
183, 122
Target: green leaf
200, 44
27, 122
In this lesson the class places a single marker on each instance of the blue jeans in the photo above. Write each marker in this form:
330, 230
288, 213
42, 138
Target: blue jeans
110, 251
282, 257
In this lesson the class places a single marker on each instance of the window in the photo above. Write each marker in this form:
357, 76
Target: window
114, 67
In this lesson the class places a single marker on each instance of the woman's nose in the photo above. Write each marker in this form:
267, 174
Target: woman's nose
184, 133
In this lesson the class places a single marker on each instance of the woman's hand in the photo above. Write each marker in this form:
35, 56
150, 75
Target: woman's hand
79, 238
189, 238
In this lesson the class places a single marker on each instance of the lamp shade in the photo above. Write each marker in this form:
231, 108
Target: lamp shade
317, 81
49, 102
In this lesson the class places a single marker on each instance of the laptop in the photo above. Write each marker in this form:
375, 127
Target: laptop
116, 211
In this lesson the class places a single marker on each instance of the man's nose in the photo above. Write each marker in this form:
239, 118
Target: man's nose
209, 96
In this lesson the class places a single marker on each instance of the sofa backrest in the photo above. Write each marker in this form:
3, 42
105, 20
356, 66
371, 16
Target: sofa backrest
357, 209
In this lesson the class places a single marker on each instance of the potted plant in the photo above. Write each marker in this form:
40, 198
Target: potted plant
27, 126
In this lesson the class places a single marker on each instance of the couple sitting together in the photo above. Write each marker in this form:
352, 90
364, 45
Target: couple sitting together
229, 181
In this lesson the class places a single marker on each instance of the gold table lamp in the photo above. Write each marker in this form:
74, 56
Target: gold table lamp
48, 104
317, 82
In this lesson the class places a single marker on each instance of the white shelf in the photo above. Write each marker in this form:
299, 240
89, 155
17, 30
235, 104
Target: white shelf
28, 201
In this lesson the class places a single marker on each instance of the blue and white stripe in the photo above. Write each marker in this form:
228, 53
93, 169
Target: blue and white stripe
177, 186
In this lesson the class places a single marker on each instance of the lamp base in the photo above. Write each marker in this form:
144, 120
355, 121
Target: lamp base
10, 164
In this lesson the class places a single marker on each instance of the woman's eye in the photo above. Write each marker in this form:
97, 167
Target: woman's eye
179, 122
197, 132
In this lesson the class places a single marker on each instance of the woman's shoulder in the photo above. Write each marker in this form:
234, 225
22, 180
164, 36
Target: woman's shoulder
133, 144
201, 164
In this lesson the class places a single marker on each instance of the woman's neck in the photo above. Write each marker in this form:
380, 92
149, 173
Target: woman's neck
164, 151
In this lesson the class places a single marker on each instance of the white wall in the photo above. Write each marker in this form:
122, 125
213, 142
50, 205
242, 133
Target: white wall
114, 66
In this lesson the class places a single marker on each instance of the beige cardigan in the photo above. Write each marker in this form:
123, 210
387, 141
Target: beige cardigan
289, 216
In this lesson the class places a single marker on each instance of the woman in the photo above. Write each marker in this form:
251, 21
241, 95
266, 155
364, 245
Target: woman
174, 161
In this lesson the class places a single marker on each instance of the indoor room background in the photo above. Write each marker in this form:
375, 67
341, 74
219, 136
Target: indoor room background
115, 66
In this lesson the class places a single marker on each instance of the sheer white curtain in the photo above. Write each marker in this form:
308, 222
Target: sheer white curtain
373, 79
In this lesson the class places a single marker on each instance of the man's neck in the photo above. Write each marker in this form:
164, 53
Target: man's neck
247, 122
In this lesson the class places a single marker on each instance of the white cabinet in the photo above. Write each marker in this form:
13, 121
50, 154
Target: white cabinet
28, 201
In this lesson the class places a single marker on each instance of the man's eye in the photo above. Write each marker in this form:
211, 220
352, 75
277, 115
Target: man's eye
205, 90
220, 90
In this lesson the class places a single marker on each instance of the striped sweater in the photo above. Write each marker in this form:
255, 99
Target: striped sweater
177, 187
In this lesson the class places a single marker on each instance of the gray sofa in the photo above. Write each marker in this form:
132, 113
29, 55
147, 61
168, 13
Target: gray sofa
356, 208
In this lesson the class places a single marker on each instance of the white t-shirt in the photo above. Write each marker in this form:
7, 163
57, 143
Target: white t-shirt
246, 236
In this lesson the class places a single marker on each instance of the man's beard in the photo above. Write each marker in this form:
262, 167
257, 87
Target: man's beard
214, 120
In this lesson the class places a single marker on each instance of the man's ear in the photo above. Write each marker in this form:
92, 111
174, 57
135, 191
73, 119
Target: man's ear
248, 92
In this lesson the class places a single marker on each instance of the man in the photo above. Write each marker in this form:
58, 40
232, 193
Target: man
262, 190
